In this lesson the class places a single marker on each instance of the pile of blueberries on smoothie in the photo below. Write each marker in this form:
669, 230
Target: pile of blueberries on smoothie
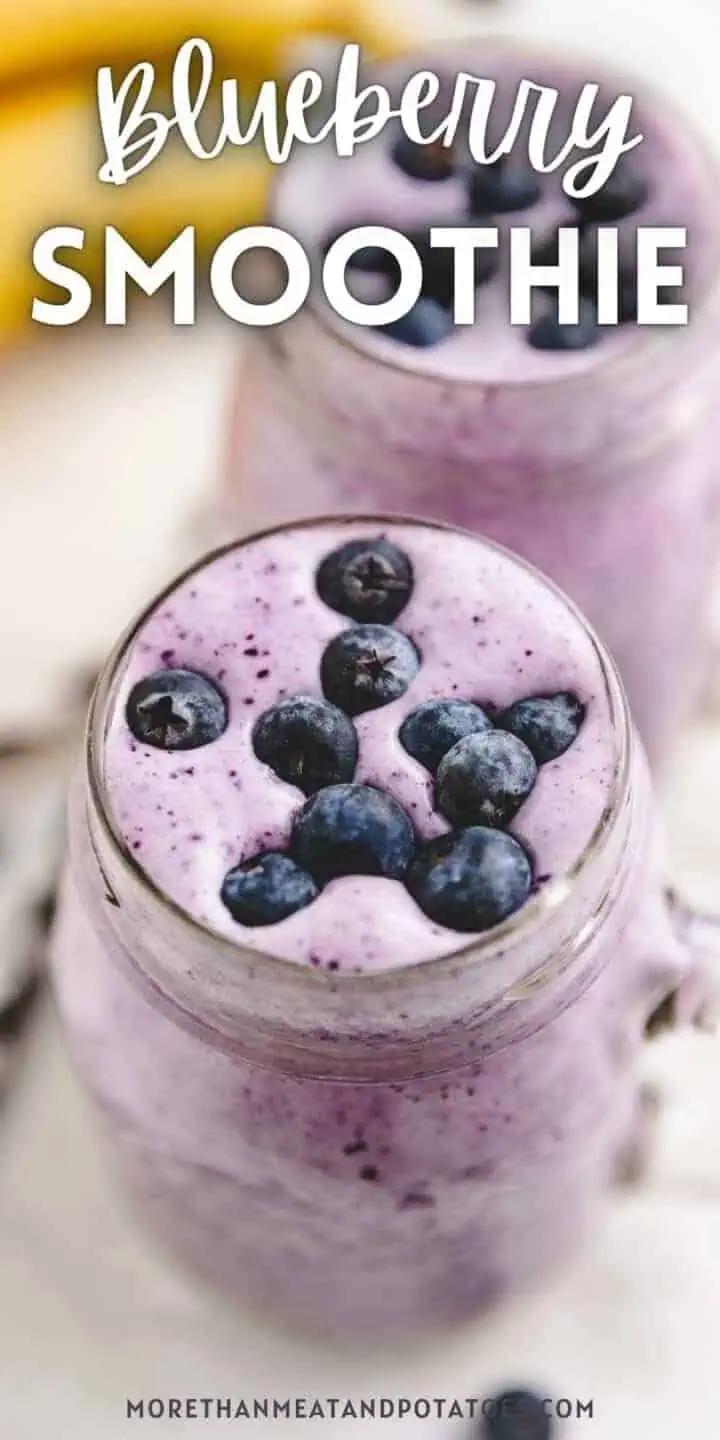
483, 763
506, 187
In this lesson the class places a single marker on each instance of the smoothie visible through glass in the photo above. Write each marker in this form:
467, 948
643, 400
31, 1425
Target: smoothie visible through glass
589, 450
365, 921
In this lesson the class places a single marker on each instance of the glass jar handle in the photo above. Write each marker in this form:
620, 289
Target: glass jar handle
697, 1002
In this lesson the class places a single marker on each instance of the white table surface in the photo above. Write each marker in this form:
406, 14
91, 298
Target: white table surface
99, 434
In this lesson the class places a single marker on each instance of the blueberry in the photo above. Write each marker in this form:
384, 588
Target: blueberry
307, 742
484, 779
425, 325
366, 580
15, 1011
622, 194
430, 731
501, 187
367, 667
546, 250
438, 265
516, 1415
352, 830
470, 880
627, 280
176, 710
628, 296
547, 333
267, 889
548, 725
433, 161
370, 259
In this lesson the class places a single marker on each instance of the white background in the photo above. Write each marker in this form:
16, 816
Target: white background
104, 456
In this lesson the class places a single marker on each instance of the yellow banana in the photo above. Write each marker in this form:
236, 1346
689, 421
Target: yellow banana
48, 166
43, 35
49, 133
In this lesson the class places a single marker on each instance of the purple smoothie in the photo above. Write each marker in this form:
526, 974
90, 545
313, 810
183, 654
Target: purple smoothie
597, 463
486, 631
357, 1116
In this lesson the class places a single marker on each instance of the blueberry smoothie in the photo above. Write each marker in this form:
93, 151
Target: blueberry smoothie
587, 448
364, 921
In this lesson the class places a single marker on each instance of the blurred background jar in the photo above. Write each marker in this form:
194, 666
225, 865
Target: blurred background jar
605, 476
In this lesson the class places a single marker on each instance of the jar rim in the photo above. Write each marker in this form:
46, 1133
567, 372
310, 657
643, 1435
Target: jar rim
480, 949
652, 341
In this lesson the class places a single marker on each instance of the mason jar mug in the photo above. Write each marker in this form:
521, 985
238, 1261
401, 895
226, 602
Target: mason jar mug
381, 1145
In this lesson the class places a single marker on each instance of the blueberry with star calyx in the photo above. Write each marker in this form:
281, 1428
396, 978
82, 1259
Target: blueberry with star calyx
367, 667
425, 325
176, 710
470, 880
307, 742
516, 1415
352, 830
428, 732
438, 267
369, 580
267, 889
484, 779
432, 162
623, 193
501, 187
548, 725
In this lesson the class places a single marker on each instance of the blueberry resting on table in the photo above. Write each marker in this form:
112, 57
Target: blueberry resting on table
369, 580
307, 742
484, 779
15, 1012
428, 732
367, 667
470, 880
176, 710
516, 1415
267, 889
352, 830
547, 725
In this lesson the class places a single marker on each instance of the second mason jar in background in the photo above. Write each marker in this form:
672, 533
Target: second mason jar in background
593, 455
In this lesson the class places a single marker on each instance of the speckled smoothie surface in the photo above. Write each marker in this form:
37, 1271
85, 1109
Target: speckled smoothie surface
486, 629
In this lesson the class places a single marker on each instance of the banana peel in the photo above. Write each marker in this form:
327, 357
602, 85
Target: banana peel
50, 148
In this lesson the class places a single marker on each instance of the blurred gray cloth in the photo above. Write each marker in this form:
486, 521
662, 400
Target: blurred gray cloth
33, 790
